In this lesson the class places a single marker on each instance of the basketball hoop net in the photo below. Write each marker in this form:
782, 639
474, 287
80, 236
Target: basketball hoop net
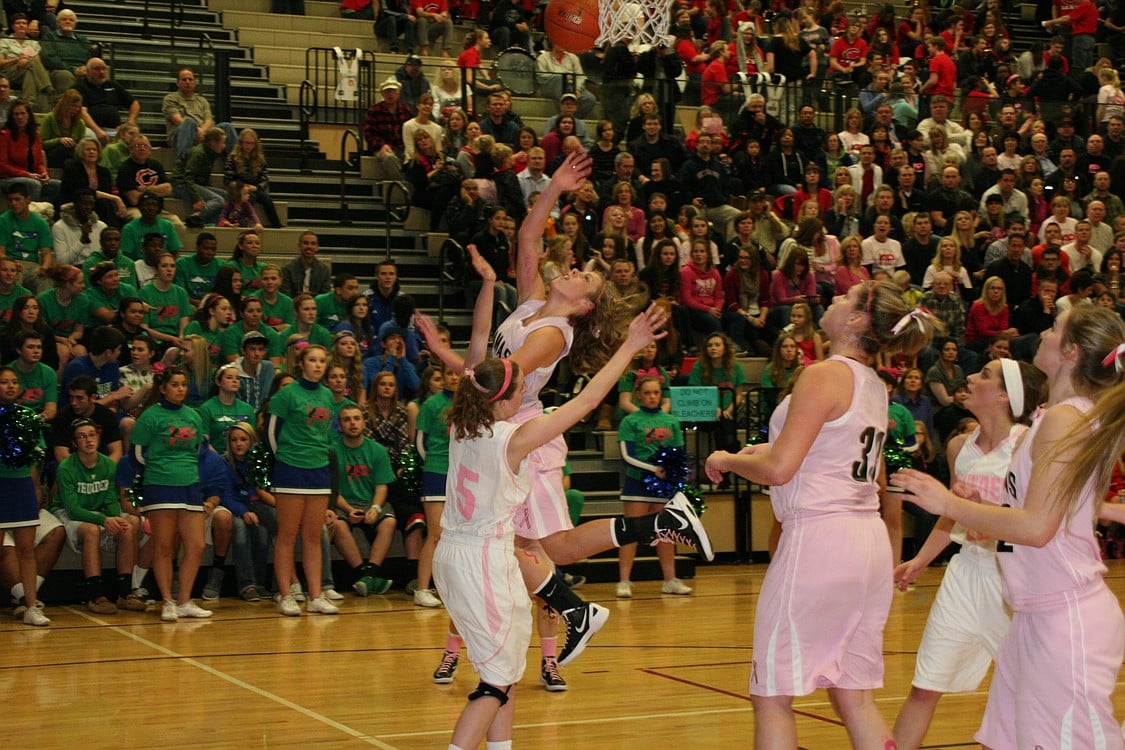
639, 22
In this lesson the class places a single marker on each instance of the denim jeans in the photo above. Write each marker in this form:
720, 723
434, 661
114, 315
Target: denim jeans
252, 546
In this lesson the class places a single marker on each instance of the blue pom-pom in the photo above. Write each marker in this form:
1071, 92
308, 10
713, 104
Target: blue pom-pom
21, 433
677, 470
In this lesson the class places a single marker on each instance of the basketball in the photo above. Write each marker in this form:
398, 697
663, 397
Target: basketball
572, 24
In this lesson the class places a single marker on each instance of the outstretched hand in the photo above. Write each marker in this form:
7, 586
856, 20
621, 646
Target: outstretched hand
480, 265
925, 491
573, 172
647, 327
425, 326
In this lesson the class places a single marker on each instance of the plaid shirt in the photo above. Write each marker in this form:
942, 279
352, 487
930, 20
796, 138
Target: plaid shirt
950, 310
383, 126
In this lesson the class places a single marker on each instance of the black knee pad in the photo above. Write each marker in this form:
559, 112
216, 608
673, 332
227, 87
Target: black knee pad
484, 690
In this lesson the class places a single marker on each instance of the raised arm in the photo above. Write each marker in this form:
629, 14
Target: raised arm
540, 430
482, 321
570, 176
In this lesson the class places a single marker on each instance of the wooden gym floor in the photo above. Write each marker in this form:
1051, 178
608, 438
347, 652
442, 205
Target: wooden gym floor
666, 671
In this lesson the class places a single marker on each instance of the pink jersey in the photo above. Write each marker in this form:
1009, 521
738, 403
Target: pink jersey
840, 471
1036, 576
512, 334
985, 473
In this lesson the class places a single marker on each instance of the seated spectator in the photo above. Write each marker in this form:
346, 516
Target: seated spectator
78, 230
25, 237
358, 10
561, 72
106, 293
104, 99
85, 170
21, 156
432, 22
948, 259
944, 375
246, 163
169, 309
394, 21
508, 25
393, 360
22, 64
81, 405
422, 122
988, 316
435, 178
116, 153
148, 221
792, 283
62, 128
196, 272
237, 210
476, 42
1032, 317
255, 372
382, 129
140, 174
746, 290
63, 48
253, 532
191, 178
39, 384
187, 115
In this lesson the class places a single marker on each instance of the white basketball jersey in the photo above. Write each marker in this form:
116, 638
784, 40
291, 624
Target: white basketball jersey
512, 334
985, 473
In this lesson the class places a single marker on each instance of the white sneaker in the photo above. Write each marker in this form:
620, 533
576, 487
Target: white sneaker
296, 592
675, 586
34, 616
323, 606
624, 590
191, 609
332, 595
288, 606
426, 598
168, 611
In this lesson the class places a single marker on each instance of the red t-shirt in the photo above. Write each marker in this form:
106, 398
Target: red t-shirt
470, 58
713, 79
686, 50
430, 6
946, 71
848, 52
1084, 19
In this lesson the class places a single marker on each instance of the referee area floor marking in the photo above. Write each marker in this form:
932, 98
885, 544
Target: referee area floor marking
308, 712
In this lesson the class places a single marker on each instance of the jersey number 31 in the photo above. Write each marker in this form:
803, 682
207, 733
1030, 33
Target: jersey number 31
866, 469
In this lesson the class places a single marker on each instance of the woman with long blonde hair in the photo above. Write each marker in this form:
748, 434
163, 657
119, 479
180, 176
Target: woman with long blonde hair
246, 163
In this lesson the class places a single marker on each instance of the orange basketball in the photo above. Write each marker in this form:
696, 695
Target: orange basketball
572, 24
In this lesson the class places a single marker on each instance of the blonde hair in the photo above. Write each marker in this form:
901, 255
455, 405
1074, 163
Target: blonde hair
992, 281
956, 264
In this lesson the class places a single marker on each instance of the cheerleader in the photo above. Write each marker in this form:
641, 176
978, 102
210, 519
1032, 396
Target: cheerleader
1056, 670
474, 564
165, 442
297, 432
642, 433
968, 619
19, 513
826, 595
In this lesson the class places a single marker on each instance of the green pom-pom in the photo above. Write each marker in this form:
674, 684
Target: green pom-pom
695, 498
135, 493
895, 458
21, 436
411, 476
260, 462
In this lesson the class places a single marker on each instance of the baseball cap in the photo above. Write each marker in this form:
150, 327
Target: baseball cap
390, 83
759, 193
254, 337
994, 199
393, 331
564, 97
413, 60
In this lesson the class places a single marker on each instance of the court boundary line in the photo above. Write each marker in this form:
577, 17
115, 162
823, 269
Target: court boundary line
261, 692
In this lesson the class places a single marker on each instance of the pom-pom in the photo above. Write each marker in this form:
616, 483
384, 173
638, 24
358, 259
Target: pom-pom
21, 436
411, 476
674, 461
895, 458
260, 463
135, 492
761, 436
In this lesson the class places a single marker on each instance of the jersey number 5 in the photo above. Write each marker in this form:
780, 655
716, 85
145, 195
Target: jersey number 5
464, 498
866, 469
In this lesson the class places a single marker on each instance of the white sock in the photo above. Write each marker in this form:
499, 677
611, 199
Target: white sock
453, 747
504, 745
139, 574
17, 591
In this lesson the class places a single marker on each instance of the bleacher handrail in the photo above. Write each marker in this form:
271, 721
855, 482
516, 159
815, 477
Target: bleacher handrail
345, 164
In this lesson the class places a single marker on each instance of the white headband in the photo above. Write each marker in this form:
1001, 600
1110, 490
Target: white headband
918, 315
1013, 384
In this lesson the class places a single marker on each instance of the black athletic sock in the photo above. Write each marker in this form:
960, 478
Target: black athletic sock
218, 561
124, 583
364, 569
94, 588
558, 595
411, 570
640, 529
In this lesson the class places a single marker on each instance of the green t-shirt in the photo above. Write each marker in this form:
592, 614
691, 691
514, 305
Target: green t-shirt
167, 307
433, 420
647, 433
213, 338
98, 299
727, 380
6, 303
87, 495
39, 387
218, 417
318, 335
197, 279
303, 439
63, 319
230, 343
23, 239
251, 275
278, 312
133, 236
126, 271
628, 384
329, 310
361, 470
170, 439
